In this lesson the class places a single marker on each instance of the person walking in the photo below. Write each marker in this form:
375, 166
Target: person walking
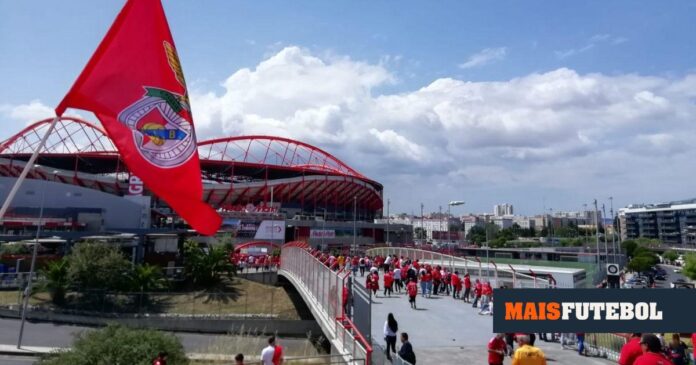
361, 265
467, 287
391, 327
456, 285
581, 343
388, 282
527, 354
412, 290
631, 350
496, 349
652, 352
406, 350
677, 351
478, 288
397, 280
272, 354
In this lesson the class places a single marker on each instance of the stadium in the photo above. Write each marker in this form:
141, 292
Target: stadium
82, 184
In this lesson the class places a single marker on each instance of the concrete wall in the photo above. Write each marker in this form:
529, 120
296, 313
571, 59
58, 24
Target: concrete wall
179, 324
117, 212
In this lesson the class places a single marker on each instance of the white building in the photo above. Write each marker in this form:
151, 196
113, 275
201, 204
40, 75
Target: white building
500, 210
502, 222
524, 222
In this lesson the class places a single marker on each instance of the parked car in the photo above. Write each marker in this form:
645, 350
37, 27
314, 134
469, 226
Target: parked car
660, 277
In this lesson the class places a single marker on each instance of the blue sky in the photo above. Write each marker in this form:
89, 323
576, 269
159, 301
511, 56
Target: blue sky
605, 61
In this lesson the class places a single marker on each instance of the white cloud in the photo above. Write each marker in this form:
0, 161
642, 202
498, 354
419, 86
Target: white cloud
594, 41
26, 113
484, 57
555, 130
559, 131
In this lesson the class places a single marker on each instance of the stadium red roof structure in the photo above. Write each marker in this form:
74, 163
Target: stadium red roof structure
236, 170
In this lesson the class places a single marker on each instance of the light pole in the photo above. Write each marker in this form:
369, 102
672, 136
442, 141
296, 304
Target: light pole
422, 223
613, 229
439, 223
388, 219
453, 203
596, 218
587, 236
606, 245
355, 217
27, 290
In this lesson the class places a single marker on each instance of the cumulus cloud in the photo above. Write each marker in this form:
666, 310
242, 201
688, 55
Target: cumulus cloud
558, 129
562, 132
484, 57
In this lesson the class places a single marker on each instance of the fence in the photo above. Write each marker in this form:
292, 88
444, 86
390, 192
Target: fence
323, 289
604, 345
497, 274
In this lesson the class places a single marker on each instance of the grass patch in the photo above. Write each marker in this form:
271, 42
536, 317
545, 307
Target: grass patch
235, 297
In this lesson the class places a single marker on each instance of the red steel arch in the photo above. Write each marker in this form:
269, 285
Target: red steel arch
277, 151
77, 136
70, 136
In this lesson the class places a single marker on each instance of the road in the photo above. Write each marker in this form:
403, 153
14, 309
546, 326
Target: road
16, 360
60, 335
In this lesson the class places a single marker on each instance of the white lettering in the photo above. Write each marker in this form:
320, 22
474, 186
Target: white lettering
597, 309
656, 314
626, 311
582, 311
642, 311
567, 308
612, 311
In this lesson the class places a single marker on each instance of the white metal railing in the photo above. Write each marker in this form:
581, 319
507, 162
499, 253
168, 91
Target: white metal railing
497, 275
323, 291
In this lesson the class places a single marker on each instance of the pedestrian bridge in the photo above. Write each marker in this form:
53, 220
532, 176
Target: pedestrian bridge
323, 291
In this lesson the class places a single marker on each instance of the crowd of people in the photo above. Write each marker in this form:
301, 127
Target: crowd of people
255, 262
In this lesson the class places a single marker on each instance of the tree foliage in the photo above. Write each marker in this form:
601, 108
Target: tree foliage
670, 255
117, 344
98, 266
205, 266
146, 278
476, 235
56, 280
629, 246
689, 269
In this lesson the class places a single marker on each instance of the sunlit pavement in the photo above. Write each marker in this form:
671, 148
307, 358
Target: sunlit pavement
447, 331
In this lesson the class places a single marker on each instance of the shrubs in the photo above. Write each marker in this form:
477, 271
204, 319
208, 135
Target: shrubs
119, 345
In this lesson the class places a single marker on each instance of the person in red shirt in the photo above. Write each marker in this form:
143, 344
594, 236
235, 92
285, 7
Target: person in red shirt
631, 350
437, 280
427, 283
467, 287
388, 282
478, 288
161, 359
412, 290
693, 343
652, 351
456, 285
496, 349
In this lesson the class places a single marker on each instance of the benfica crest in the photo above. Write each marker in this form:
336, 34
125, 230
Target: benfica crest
161, 131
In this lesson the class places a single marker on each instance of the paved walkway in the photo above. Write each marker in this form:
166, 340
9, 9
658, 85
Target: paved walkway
446, 331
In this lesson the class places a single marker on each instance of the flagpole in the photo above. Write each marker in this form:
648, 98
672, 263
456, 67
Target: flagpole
27, 167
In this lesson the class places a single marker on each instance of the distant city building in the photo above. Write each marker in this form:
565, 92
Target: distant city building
471, 221
672, 223
524, 222
503, 222
500, 210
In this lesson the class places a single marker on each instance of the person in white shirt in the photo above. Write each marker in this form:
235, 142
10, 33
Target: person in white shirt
391, 327
397, 280
268, 352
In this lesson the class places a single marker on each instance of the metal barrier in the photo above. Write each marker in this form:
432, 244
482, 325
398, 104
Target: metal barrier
604, 345
499, 276
323, 289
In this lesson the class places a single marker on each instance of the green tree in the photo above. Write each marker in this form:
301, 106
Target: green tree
420, 233
640, 263
98, 266
146, 278
56, 280
206, 267
628, 247
476, 235
689, 269
544, 232
670, 255
117, 344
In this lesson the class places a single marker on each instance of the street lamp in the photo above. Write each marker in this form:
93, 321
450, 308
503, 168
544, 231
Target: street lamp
453, 203
388, 219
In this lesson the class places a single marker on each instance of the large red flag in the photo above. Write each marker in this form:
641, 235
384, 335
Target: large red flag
135, 86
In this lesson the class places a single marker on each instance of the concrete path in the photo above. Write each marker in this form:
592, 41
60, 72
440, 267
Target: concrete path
447, 331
